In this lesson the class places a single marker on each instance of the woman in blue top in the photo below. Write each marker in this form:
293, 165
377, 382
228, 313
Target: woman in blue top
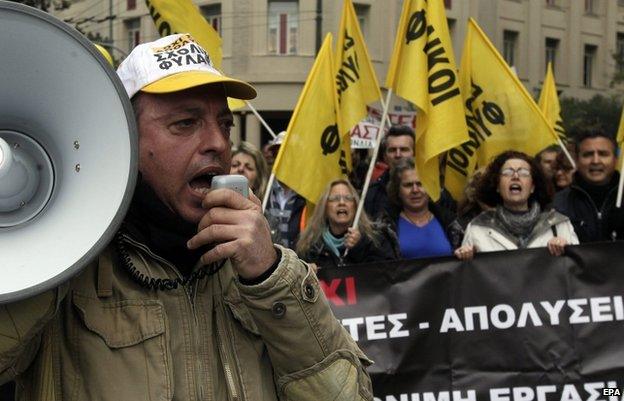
421, 225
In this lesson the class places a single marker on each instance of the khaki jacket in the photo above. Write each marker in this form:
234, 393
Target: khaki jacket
104, 337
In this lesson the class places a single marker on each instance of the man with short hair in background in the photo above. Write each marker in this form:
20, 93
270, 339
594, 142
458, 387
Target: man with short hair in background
397, 144
590, 201
546, 159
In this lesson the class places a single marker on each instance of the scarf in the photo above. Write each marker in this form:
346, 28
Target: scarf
519, 224
333, 243
163, 231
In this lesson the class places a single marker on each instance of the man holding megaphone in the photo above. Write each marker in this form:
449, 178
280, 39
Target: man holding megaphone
191, 301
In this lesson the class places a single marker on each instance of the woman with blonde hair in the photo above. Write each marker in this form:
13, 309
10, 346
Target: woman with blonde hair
329, 233
247, 160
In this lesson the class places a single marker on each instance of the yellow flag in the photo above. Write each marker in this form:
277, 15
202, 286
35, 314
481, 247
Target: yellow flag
313, 152
619, 138
356, 81
422, 70
620, 133
549, 104
182, 16
500, 113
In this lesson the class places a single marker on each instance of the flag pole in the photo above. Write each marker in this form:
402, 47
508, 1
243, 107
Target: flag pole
566, 152
618, 201
267, 192
371, 166
266, 126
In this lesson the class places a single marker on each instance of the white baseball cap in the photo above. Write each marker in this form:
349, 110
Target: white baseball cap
174, 63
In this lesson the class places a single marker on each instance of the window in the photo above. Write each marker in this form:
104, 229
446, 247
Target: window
551, 52
212, 14
131, 4
588, 65
448, 4
510, 40
552, 3
133, 26
619, 55
283, 27
589, 7
362, 11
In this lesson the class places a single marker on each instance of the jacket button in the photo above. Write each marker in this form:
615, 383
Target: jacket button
278, 310
309, 291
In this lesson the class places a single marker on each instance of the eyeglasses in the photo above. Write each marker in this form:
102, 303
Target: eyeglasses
522, 172
338, 198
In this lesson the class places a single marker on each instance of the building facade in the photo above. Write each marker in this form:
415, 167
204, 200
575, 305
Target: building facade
272, 43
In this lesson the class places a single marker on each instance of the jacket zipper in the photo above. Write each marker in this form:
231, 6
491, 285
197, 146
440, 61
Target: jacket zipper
227, 367
190, 297
600, 211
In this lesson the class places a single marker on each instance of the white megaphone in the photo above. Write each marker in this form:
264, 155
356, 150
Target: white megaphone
68, 152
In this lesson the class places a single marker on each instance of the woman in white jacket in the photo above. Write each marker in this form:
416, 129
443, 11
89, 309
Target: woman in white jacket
515, 185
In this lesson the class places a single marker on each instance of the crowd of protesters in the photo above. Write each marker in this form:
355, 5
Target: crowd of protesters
516, 202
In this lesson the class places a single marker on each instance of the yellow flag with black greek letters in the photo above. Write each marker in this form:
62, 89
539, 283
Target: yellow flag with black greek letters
313, 152
619, 138
182, 16
356, 81
422, 70
549, 104
500, 113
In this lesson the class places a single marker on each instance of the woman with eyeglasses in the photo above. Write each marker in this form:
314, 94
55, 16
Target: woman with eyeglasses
422, 226
520, 193
328, 234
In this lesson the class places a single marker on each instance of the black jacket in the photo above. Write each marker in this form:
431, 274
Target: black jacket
364, 251
376, 203
592, 222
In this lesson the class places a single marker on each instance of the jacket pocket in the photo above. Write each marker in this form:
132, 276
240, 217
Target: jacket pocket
122, 350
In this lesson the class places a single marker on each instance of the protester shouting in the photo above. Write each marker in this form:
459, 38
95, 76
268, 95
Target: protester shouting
329, 232
247, 160
516, 187
590, 201
192, 301
420, 224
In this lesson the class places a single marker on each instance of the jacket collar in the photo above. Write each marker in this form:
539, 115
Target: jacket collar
546, 220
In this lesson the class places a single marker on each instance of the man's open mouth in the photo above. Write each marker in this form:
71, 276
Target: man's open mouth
201, 183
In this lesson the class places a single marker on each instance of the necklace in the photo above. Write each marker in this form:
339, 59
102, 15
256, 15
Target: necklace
419, 222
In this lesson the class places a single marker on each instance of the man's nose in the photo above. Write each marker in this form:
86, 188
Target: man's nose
213, 139
595, 158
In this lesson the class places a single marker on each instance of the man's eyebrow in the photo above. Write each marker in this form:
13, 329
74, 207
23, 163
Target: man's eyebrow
225, 112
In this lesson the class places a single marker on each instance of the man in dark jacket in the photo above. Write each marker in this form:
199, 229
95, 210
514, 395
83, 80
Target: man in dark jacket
398, 144
590, 201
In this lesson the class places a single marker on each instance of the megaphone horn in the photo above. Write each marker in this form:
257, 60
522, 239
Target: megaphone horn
68, 152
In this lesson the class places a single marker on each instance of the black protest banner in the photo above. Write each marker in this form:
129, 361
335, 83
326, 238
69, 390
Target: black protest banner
507, 326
